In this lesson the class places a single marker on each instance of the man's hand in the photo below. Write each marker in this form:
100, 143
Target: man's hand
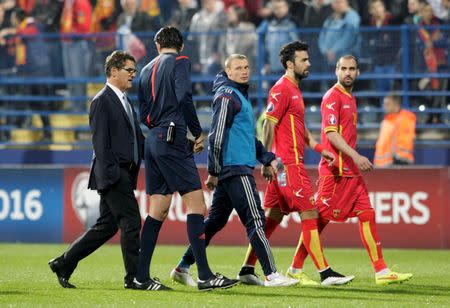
211, 182
269, 172
198, 145
328, 156
363, 163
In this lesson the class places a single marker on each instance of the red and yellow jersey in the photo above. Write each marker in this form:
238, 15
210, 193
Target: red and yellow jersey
339, 114
286, 109
76, 16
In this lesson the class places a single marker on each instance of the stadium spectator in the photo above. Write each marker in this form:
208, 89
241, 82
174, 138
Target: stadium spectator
118, 146
6, 56
278, 29
181, 19
315, 14
131, 22
182, 16
233, 154
167, 109
256, 10
153, 9
104, 19
32, 62
342, 192
166, 7
382, 45
343, 24
439, 9
414, 8
395, 144
209, 19
240, 36
284, 132
76, 21
49, 16
435, 52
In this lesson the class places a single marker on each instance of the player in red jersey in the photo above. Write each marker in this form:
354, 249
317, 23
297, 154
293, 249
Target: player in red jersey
286, 135
342, 192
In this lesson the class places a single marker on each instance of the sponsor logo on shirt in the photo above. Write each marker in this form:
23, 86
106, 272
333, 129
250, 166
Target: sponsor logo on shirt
295, 97
332, 119
346, 106
270, 107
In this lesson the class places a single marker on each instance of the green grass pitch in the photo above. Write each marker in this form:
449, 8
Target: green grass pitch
26, 280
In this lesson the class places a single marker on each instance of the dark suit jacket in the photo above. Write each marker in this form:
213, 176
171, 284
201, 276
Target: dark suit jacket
112, 140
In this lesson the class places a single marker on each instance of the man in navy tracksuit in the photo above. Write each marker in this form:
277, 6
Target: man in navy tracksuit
166, 107
233, 151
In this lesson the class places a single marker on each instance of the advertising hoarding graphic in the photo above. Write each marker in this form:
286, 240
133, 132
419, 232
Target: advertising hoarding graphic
411, 207
31, 205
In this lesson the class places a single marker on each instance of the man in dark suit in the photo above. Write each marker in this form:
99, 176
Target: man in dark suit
118, 148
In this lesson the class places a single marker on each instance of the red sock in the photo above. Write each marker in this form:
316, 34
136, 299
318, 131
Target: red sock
369, 237
251, 258
301, 252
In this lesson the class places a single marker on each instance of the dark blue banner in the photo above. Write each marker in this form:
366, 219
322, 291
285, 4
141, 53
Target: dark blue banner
31, 205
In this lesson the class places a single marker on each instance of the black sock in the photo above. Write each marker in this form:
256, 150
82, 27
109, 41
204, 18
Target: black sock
247, 270
329, 273
211, 228
149, 236
196, 234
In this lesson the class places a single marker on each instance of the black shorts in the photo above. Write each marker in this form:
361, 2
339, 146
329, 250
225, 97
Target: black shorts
169, 167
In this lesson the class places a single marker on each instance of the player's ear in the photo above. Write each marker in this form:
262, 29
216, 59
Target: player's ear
158, 47
182, 47
228, 71
357, 72
289, 64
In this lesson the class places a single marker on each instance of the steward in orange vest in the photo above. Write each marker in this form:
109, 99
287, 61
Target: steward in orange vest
395, 144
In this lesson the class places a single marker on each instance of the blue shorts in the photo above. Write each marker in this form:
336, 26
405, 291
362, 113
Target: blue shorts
169, 167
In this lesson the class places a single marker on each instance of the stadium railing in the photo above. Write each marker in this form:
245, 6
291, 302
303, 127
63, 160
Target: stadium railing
406, 58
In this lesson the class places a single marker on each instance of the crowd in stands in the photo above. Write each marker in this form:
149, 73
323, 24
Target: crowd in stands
79, 33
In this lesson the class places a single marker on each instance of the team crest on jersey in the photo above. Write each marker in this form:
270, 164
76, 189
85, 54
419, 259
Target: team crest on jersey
270, 107
332, 119
330, 106
336, 213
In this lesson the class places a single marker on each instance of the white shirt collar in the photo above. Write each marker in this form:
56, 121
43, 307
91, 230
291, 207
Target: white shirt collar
122, 97
116, 90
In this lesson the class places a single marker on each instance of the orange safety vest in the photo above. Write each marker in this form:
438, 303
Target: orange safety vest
396, 139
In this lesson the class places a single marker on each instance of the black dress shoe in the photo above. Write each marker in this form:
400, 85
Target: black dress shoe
56, 267
150, 285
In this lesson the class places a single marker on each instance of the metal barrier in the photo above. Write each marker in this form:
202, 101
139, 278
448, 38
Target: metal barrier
404, 55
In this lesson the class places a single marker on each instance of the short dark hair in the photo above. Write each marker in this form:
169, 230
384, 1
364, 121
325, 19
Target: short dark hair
287, 52
347, 57
117, 59
169, 37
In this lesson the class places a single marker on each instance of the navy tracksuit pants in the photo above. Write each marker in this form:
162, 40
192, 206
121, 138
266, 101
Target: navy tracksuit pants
239, 193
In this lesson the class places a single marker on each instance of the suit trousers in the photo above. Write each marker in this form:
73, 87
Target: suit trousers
118, 210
